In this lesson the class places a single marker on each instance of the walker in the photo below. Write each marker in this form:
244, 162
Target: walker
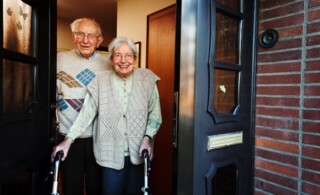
147, 168
55, 171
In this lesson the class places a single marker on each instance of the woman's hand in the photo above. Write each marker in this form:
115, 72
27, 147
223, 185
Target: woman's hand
146, 143
64, 145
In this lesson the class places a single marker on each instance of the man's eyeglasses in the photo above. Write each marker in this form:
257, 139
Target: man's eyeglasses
81, 35
119, 56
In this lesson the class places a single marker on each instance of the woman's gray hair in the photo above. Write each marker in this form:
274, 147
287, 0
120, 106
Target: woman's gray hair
118, 41
75, 24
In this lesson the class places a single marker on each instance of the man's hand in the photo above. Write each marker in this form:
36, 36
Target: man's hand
146, 143
64, 145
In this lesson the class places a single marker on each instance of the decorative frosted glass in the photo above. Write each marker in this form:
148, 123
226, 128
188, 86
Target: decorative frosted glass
233, 4
18, 86
225, 180
227, 41
17, 26
226, 90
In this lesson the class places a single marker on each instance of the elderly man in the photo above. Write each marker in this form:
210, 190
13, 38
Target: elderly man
75, 70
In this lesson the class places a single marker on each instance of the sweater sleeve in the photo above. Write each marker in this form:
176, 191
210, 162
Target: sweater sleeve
154, 115
84, 119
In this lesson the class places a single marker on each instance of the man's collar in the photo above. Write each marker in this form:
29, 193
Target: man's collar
90, 58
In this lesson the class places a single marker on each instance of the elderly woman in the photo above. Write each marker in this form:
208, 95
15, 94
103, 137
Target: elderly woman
126, 103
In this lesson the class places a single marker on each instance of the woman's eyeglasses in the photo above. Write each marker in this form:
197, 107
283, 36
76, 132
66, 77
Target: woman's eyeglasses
119, 56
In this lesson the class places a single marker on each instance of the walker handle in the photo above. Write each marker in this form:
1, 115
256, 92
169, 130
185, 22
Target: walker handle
145, 153
59, 155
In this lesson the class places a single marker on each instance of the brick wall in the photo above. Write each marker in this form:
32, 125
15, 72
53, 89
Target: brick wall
287, 132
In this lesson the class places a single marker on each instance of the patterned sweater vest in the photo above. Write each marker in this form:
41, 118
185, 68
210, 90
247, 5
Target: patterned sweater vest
74, 73
116, 126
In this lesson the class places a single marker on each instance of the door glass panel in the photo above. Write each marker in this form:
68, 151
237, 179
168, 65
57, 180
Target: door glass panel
225, 180
17, 26
226, 90
18, 86
234, 4
227, 41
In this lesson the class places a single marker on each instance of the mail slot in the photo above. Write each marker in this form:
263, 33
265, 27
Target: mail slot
224, 140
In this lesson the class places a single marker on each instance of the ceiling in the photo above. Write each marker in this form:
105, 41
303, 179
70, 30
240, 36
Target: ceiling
103, 11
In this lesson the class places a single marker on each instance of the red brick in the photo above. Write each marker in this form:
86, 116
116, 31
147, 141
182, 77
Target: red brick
286, 44
312, 102
314, 15
313, 52
279, 135
311, 140
281, 67
279, 56
283, 181
313, 27
275, 101
311, 152
290, 31
272, 189
313, 65
282, 22
289, 113
314, 3
275, 135
311, 164
277, 168
277, 145
277, 156
279, 90
267, 4
279, 79
312, 90
312, 78
311, 177
281, 11
277, 123
256, 192
311, 114
311, 127
310, 189
313, 40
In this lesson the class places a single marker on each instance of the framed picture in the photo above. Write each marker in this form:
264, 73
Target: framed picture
138, 61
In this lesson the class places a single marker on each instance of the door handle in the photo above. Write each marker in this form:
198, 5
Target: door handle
175, 119
54, 124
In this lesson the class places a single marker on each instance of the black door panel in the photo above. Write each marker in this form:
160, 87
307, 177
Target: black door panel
27, 89
216, 105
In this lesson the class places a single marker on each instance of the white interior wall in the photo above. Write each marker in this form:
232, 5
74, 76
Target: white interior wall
64, 35
132, 20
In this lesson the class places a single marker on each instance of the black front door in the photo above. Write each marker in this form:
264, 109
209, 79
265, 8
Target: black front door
27, 78
215, 134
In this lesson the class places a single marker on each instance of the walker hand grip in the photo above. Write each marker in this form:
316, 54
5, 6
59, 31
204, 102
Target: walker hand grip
145, 153
59, 155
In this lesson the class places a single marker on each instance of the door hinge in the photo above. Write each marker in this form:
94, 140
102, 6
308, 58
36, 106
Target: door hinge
175, 119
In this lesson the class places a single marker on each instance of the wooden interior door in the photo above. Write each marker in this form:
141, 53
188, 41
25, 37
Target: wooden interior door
161, 60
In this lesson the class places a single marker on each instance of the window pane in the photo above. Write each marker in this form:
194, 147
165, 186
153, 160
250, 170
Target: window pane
17, 26
234, 4
225, 180
226, 90
17, 86
227, 41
